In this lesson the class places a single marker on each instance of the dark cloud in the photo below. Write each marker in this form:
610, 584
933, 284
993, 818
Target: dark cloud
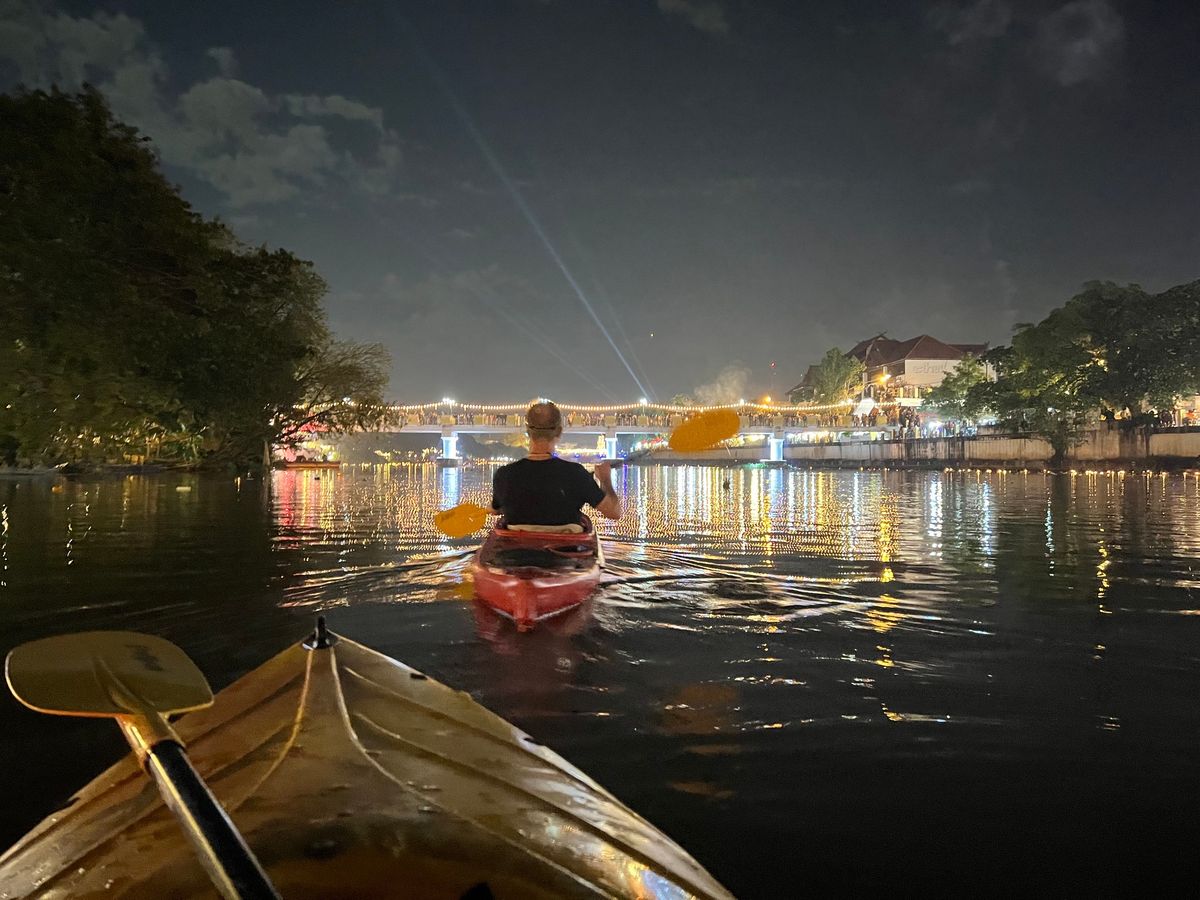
983, 20
225, 60
1081, 42
252, 146
704, 15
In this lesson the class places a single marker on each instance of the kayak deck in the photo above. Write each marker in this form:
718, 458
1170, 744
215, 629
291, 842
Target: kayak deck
351, 774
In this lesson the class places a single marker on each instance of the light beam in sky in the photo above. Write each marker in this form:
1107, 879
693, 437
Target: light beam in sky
525, 326
514, 192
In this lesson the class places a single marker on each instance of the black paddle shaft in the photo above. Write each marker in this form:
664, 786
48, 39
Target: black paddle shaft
221, 848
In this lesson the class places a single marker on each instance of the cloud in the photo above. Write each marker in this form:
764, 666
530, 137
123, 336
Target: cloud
1080, 42
704, 15
482, 291
983, 20
226, 62
333, 105
253, 147
244, 221
55, 47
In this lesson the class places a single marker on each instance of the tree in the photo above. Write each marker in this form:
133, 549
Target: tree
339, 389
264, 318
836, 377
1111, 347
133, 326
1040, 382
1144, 346
952, 399
100, 277
1174, 324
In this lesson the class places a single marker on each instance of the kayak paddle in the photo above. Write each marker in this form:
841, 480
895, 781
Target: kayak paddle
705, 430
139, 680
461, 520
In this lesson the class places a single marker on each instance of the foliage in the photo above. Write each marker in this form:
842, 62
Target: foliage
1146, 347
836, 377
136, 328
340, 388
1110, 348
952, 399
1030, 393
270, 371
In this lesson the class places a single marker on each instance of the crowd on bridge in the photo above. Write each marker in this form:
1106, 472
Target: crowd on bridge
661, 420
653, 421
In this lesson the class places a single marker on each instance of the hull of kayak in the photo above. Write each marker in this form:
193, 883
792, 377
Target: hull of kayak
529, 576
352, 775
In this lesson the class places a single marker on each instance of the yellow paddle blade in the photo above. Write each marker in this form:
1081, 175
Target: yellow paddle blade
462, 520
705, 430
105, 673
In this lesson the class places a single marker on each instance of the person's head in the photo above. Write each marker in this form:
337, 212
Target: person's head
543, 423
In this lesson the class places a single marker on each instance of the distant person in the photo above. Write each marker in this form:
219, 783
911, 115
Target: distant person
544, 493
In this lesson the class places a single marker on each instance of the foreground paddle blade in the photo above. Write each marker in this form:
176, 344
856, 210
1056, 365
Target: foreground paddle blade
461, 521
101, 673
705, 430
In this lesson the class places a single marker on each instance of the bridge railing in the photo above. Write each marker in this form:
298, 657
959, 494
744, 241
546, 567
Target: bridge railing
652, 416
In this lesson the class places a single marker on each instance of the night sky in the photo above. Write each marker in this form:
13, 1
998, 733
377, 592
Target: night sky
746, 181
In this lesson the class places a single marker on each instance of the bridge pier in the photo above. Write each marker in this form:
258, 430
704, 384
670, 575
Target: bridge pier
449, 448
610, 443
775, 445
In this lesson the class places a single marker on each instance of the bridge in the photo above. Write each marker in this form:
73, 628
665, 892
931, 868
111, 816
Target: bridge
777, 423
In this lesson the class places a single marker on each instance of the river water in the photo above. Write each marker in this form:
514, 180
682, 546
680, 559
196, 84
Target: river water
813, 680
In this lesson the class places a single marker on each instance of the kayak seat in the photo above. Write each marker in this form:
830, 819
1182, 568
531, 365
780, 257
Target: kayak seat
575, 557
583, 526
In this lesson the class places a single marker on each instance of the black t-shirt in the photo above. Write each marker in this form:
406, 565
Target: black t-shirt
543, 491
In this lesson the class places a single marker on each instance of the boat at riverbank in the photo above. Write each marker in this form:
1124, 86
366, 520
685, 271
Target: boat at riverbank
353, 775
530, 576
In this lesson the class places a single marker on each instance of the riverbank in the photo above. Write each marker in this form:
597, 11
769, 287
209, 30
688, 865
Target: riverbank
77, 470
70, 471
1107, 448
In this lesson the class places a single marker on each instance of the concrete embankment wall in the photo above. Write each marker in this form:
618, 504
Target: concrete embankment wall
1107, 446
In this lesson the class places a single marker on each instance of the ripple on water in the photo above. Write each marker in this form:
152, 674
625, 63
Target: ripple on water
833, 672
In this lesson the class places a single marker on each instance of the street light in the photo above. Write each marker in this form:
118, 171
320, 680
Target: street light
642, 400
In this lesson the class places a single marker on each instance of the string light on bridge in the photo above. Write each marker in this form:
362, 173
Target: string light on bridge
644, 406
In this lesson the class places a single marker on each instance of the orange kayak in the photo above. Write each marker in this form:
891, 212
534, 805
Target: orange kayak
529, 576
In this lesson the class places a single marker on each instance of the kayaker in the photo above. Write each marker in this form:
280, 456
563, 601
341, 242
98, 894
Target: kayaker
545, 491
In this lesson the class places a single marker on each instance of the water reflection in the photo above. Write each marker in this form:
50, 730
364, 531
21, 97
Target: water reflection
773, 651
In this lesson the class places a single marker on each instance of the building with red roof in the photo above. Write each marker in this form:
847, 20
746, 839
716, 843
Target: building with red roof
902, 369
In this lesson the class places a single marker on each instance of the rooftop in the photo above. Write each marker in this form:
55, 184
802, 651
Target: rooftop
883, 351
